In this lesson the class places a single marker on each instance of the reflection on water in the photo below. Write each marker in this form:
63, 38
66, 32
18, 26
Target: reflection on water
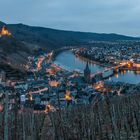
68, 61
128, 77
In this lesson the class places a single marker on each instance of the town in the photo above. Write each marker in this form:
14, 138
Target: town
112, 52
49, 87
69, 70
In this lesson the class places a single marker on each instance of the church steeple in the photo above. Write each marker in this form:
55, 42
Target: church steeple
87, 67
87, 73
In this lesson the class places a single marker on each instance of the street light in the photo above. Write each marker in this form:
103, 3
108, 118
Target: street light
68, 97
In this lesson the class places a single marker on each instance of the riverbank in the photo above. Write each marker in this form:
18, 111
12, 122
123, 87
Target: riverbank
67, 60
58, 51
55, 54
93, 61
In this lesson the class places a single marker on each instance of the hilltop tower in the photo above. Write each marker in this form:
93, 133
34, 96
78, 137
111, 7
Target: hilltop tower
87, 73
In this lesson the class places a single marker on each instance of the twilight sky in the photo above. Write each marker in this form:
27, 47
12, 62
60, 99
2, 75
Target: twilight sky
102, 16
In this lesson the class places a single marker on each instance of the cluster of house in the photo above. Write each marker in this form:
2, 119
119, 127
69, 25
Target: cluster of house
60, 90
113, 52
50, 87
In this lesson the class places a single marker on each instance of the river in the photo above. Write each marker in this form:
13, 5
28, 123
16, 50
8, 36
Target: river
69, 61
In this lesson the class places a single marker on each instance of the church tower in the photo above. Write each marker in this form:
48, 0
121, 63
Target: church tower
87, 73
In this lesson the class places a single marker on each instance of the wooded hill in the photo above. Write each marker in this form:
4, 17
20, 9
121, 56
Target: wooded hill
52, 38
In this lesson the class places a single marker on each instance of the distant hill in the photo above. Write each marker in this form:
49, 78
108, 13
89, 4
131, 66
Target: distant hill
51, 38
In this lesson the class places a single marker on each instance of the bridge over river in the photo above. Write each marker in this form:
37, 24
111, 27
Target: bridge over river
109, 71
69, 61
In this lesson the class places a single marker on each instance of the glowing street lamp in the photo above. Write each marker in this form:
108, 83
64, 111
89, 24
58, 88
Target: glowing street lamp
68, 97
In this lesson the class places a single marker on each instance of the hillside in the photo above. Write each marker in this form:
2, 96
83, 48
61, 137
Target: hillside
13, 51
51, 38
113, 119
13, 54
116, 119
46, 38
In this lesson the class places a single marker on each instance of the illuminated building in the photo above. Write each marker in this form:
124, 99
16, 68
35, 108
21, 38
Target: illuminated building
68, 96
5, 32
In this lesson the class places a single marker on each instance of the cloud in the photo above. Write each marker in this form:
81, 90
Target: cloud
118, 16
